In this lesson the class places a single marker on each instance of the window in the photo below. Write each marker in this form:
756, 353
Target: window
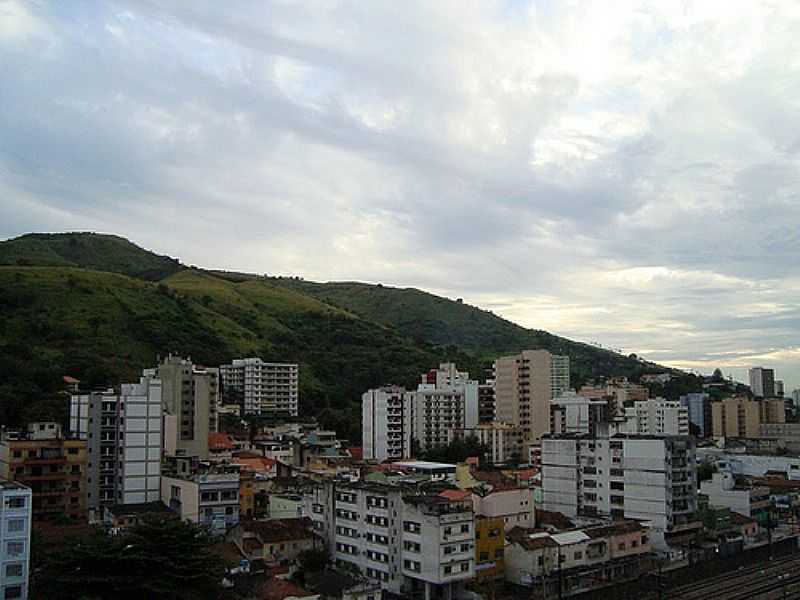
17, 454
465, 547
465, 528
447, 570
578, 556
72, 450
540, 561
229, 510
499, 552
13, 592
484, 556
464, 566
16, 525
15, 502
14, 570
621, 546
15, 548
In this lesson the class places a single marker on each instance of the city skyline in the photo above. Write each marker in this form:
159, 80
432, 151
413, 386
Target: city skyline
625, 174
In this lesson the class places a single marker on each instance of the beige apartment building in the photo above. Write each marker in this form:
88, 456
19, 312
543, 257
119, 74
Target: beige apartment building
741, 417
525, 384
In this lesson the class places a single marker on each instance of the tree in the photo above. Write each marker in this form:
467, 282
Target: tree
162, 558
457, 451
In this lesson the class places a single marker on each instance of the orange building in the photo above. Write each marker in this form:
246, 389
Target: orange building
53, 466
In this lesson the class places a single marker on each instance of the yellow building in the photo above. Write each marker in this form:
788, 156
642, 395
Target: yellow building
247, 497
490, 542
742, 417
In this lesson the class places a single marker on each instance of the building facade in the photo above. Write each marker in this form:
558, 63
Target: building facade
209, 499
525, 384
748, 500
51, 465
415, 544
698, 406
123, 434
650, 478
762, 382
657, 416
437, 411
15, 539
263, 388
742, 417
503, 440
573, 413
387, 423
190, 396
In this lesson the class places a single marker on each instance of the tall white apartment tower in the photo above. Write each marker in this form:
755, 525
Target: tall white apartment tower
123, 432
762, 382
387, 423
657, 416
15, 539
263, 388
525, 385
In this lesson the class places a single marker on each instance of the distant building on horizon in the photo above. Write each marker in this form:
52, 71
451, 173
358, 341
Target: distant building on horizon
762, 382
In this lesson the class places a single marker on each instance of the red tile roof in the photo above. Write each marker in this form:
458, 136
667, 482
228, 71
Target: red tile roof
280, 589
219, 441
280, 530
455, 494
68, 379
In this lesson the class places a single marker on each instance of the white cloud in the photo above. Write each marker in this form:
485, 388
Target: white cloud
624, 172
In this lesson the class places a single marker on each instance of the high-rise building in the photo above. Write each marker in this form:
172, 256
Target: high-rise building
796, 397
386, 423
52, 465
525, 384
264, 388
647, 478
699, 407
15, 539
189, 396
503, 440
124, 438
742, 417
657, 416
486, 402
392, 416
762, 382
420, 545
779, 391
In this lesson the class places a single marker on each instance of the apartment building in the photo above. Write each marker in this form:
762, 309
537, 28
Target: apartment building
698, 406
122, 430
207, 497
503, 440
487, 411
415, 544
15, 539
574, 413
525, 384
650, 478
387, 423
392, 416
512, 505
51, 465
657, 416
490, 544
190, 395
742, 417
762, 382
262, 388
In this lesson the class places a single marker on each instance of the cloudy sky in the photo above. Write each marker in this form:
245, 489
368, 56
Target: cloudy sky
620, 172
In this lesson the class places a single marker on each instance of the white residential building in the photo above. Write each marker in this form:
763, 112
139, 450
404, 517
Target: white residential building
748, 500
573, 413
636, 477
386, 423
210, 499
415, 544
657, 416
392, 416
124, 438
263, 388
15, 539
514, 505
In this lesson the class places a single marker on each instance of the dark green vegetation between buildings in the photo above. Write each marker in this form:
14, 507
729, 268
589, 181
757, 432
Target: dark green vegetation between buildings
100, 308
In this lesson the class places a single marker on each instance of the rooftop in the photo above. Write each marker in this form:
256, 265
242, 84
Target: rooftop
280, 589
279, 530
119, 510
5, 484
425, 465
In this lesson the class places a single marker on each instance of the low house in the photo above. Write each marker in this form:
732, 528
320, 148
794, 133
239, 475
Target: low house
122, 516
277, 541
582, 559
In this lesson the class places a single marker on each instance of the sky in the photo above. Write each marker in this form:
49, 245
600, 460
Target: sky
622, 173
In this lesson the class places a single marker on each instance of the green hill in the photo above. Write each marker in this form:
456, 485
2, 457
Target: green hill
100, 308
88, 250
444, 322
